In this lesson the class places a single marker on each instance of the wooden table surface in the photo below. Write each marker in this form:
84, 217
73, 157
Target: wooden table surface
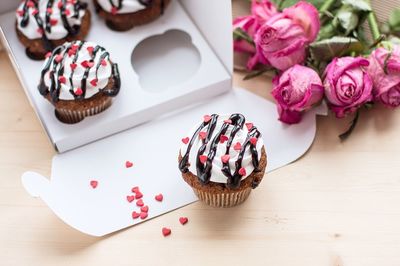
338, 205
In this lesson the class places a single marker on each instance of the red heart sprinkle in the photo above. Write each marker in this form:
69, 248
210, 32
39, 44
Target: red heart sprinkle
30, 4
159, 197
114, 10
139, 195
185, 140
203, 158
93, 82
49, 10
207, 118
128, 164
48, 54
135, 215
166, 231
94, 184
59, 4
223, 138
74, 47
130, 198
145, 208
58, 58
73, 66
249, 126
228, 121
35, 12
135, 189
78, 91
20, 13
87, 64
67, 12
53, 22
103, 62
139, 203
40, 31
253, 140
90, 49
237, 146
183, 220
62, 79
143, 215
202, 134
242, 171
225, 158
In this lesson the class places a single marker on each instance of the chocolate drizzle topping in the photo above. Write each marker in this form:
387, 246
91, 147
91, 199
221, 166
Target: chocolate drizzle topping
145, 3
55, 68
204, 170
46, 25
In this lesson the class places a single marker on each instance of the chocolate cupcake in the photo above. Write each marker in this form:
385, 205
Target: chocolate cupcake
223, 159
79, 79
123, 15
44, 24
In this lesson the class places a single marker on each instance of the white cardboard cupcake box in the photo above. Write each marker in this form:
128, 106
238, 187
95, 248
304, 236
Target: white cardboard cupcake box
152, 147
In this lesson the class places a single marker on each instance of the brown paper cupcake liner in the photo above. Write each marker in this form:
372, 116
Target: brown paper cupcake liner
224, 200
74, 116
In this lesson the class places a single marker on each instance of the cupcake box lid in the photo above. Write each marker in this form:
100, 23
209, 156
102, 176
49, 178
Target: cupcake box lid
198, 66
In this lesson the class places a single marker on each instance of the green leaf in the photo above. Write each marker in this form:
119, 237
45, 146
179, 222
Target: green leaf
394, 20
239, 34
327, 31
360, 5
347, 19
327, 49
256, 73
287, 3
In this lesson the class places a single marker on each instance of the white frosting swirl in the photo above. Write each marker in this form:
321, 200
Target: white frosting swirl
127, 6
216, 172
57, 30
104, 72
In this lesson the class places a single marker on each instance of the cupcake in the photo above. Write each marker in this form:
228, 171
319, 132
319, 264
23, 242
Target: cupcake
123, 15
44, 24
223, 158
80, 80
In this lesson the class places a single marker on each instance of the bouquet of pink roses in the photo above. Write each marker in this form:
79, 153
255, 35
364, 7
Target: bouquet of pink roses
321, 51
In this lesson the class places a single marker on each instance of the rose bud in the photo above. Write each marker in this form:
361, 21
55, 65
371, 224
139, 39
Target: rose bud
384, 70
347, 84
282, 40
261, 10
296, 90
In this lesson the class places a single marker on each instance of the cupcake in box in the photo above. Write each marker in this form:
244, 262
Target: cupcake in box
43, 25
80, 80
123, 15
223, 158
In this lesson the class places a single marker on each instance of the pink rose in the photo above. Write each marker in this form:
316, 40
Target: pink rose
296, 90
261, 11
386, 81
347, 84
282, 40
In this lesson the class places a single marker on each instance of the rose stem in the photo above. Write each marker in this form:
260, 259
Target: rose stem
325, 7
373, 24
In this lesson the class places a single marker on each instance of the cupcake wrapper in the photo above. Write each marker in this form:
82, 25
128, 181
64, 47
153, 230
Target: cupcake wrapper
74, 116
223, 200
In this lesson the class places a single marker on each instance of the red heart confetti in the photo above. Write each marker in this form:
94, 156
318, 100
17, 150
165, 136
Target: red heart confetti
159, 197
135, 189
130, 198
53, 21
202, 135
62, 79
249, 126
71, 52
49, 10
40, 31
93, 82
67, 12
73, 66
20, 13
135, 215
183, 220
114, 10
35, 12
139, 195
223, 138
185, 140
166, 231
90, 49
78, 92
237, 146
228, 121
59, 4
139, 203
128, 164
103, 62
143, 215
145, 208
30, 4
203, 158
253, 140
87, 64
48, 54
58, 58
94, 184
242, 171
207, 118
225, 158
